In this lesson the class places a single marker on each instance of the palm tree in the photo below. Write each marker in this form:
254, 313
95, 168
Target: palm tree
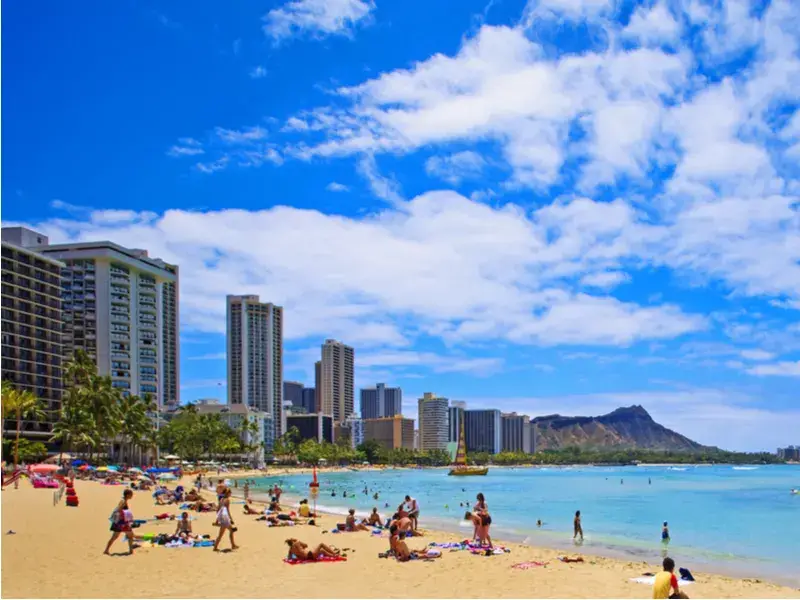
103, 403
75, 425
23, 405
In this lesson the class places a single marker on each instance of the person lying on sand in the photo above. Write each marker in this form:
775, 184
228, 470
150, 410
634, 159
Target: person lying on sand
193, 496
251, 511
300, 550
202, 506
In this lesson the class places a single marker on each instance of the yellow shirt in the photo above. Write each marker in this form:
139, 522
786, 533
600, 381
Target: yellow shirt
304, 510
663, 584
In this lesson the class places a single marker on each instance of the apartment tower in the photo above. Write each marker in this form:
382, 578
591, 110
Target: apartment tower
255, 356
32, 351
516, 433
381, 401
337, 371
117, 309
456, 420
433, 422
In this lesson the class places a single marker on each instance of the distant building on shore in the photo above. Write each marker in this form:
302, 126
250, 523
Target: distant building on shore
119, 306
483, 430
310, 399
337, 375
381, 401
255, 356
293, 394
33, 350
433, 422
390, 432
352, 429
789, 453
455, 420
314, 426
235, 414
515, 433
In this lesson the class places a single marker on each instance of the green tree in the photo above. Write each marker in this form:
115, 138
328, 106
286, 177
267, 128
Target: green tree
371, 449
21, 404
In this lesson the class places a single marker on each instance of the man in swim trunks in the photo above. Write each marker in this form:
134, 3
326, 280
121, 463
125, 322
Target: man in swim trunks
576, 524
299, 550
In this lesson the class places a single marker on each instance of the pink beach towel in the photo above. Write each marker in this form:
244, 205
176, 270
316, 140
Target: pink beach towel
524, 566
322, 559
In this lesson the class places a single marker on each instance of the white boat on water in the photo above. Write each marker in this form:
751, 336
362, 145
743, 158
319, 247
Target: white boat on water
676, 469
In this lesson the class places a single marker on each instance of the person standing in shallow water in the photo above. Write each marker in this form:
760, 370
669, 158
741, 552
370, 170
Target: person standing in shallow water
665, 533
577, 526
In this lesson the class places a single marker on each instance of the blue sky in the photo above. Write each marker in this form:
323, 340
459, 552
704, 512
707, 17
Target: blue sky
553, 206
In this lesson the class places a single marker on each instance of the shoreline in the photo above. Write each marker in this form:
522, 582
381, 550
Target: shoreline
54, 543
623, 549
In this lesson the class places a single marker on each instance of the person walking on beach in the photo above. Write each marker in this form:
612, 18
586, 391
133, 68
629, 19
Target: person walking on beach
121, 520
225, 521
666, 581
578, 528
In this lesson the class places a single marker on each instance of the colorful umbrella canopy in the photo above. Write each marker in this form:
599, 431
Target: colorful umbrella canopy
42, 468
102, 468
167, 476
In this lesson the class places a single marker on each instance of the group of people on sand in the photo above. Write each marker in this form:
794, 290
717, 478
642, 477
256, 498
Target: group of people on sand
482, 520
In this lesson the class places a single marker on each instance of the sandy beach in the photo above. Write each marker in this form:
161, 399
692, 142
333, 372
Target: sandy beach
56, 552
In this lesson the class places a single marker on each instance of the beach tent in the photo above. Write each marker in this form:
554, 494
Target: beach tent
43, 468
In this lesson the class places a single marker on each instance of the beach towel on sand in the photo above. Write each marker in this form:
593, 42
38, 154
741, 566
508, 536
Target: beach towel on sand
651, 581
302, 561
524, 566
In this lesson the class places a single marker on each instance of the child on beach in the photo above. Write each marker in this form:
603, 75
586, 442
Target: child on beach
578, 528
666, 581
121, 519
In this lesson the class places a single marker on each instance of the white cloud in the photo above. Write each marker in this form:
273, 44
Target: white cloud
653, 25
258, 72
455, 167
244, 136
568, 9
186, 147
319, 18
429, 360
604, 279
212, 167
334, 186
756, 354
457, 269
780, 369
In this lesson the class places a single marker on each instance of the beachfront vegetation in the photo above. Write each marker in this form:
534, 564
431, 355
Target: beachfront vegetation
19, 405
578, 456
28, 450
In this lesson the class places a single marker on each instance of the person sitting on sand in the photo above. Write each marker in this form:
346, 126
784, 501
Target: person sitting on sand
350, 522
193, 496
666, 581
304, 510
374, 518
184, 528
299, 550
403, 553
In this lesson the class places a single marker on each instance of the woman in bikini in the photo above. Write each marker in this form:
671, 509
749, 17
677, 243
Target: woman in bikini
121, 522
482, 510
225, 521
299, 550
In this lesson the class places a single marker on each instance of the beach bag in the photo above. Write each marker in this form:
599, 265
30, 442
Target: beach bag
686, 574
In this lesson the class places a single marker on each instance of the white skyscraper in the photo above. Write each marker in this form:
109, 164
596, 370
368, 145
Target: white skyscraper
255, 356
121, 307
337, 373
433, 422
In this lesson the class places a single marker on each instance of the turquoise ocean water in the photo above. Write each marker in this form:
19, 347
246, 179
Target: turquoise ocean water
742, 521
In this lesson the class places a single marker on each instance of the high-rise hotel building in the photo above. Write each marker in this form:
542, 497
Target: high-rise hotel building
337, 368
121, 307
433, 422
381, 401
255, 356
32, 351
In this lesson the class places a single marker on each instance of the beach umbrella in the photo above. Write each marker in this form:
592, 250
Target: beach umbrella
113, 468
167, 477
42, 468
56, 458
135, 470
171, 457
100, 469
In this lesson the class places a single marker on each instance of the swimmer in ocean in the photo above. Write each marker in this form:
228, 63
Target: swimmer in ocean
539, 523
665, 533
375, 496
